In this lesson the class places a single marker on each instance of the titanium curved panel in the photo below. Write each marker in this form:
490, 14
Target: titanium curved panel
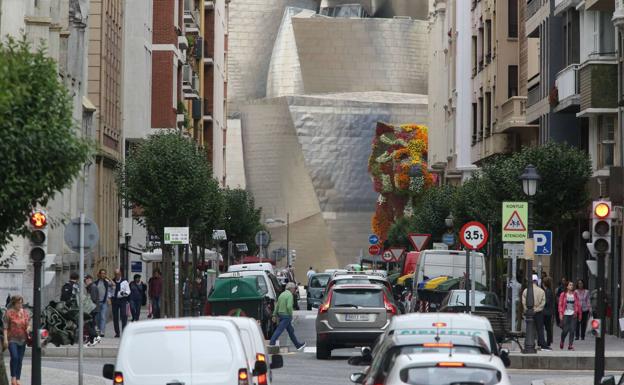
354, 55
253, 26
284, 76
417, 9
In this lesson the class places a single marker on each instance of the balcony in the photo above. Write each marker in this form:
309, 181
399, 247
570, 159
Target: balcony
562, 5
533, 96
567, 83
532, 7
600, 5
513, 115
536, 12
490, 146
598, 85
618, 15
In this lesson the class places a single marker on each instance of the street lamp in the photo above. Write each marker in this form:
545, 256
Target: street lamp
448, 221
270, 221
530, 180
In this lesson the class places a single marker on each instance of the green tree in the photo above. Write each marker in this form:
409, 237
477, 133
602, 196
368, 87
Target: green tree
241, 218
40, 152
169, 178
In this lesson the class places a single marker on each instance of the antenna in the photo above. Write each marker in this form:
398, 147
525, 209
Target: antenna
451, 340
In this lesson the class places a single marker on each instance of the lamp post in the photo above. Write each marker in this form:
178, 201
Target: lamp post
271, 221
530, 180
448, 221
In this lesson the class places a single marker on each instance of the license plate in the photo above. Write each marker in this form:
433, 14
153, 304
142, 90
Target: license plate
356, 317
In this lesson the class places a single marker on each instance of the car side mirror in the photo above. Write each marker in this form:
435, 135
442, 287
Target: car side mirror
357, 378
260, 368
504, 356
607, 380
108, 371
277, 361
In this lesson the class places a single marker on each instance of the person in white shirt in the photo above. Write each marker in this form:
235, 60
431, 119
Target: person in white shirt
120, 301
310, 273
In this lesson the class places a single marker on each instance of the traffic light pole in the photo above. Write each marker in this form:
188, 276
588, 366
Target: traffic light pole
36, 348
599, 363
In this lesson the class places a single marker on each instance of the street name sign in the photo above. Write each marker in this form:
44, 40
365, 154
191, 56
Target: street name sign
373, 239
515, 220
543, 242
473, 235
418, 240
176, 235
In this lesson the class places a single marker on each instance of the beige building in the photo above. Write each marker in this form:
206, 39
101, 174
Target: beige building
105, 91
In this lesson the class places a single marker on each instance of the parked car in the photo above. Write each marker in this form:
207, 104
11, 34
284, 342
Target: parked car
192, 351
352, 315
487, 305
316, 289
357, 278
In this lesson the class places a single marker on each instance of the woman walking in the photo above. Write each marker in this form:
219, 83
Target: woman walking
584, 297
569, 312
16, 323
549, 309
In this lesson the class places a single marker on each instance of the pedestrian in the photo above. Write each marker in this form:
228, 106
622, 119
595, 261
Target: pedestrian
310, 273
569, 313
539, 302
563, 283
283, 314
549, 309
70, 288
91, 324
105, 288
137, 295
16, 322
119, 301
155, 291
584, 296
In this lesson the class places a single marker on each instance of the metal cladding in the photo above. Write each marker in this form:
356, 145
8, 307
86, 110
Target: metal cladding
416, 9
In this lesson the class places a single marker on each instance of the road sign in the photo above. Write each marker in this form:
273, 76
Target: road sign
373, 239
448, 239
473, 235
263, 238
418, 240
543, 242
515, 220
242, 247
219, 235
72, 234
374, 250
397, 252
513, 250
176, 235
387, 256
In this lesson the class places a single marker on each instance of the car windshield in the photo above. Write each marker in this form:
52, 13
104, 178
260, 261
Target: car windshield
357, 298
458, 298
319, 282
449, 376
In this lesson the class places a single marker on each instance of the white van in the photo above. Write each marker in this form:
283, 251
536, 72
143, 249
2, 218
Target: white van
183, 351
251, 335
264, 266
451, 263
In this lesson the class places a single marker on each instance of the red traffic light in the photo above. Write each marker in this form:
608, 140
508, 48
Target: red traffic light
38, 220
602, 210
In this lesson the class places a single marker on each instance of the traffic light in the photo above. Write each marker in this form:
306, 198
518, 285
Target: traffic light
596, 324
601, 226
38, 223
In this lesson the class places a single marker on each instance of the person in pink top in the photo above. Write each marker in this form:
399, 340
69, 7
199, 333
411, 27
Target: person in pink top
584, 297
569, 312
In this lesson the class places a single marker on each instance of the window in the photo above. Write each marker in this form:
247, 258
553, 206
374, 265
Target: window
487, 111
480, 48
474, 122
512, 81
488, 41
512, 22
357, 297
480, 132
474, 55
606, 141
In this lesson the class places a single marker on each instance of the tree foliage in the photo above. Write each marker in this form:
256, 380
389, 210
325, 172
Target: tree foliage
40, 150
242, 220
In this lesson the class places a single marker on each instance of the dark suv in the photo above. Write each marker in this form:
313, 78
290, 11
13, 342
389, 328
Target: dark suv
352, 315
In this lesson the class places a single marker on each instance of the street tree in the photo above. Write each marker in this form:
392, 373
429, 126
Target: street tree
40, 150
241, 218
169, 178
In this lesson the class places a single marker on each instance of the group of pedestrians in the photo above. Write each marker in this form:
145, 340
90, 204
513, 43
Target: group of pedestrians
569, 306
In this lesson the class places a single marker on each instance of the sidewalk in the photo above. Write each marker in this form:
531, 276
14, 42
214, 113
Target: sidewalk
52, 376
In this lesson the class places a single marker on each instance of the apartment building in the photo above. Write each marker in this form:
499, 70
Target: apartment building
498, 122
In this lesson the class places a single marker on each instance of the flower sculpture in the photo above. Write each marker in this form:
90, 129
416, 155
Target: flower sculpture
398, 166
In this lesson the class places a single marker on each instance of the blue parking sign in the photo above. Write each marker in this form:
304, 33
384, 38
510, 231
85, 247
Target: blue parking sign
543, 242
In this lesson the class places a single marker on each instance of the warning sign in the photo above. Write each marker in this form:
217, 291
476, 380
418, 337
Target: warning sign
514, 222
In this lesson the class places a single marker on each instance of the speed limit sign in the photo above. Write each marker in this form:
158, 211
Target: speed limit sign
473, 235
387, 256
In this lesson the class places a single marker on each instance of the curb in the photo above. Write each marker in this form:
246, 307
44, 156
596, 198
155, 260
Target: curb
72, 352
520, 361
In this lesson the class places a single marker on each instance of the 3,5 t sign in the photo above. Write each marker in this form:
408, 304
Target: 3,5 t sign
473, 235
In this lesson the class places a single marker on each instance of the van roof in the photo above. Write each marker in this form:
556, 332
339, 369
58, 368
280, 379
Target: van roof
452, 320
251, 266
178, 323
447, 252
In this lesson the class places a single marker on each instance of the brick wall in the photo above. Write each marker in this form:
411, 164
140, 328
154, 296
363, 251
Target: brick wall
164, 29
163, 113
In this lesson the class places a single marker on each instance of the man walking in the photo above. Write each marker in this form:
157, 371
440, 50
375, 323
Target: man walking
120, 302
283, 314
70, 288
539, 301
310, 273
137, 293
155, 291
104, 288
93, 294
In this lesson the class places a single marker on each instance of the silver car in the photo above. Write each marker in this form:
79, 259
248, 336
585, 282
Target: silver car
352, 315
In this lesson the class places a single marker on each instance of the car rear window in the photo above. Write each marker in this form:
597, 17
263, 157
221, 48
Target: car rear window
351, 281
319, 282
449, 376
357, 297
412, 349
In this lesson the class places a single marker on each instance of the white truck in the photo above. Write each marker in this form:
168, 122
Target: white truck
436, 264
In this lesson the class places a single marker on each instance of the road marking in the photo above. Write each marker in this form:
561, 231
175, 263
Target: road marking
310, 316
311, 349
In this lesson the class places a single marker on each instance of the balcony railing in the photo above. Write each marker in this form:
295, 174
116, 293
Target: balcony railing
513, 113
533, 96
567, 82
532, 7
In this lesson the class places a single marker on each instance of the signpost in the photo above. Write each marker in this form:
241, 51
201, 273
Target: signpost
418, 240
397, 253
513, 251
515, 220
473, 235
176, 236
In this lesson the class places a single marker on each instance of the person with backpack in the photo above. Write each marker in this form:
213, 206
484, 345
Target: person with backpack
137, 296
70, 288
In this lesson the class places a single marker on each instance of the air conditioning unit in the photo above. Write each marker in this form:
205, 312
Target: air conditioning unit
196, 83
187, 74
